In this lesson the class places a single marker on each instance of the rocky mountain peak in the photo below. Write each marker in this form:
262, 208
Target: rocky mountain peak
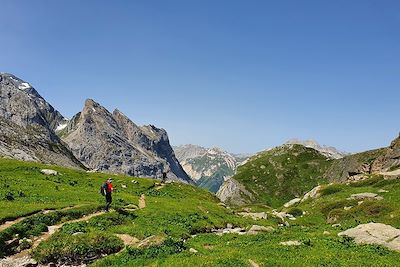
28, 123
328, 151
395, 143
207, 166
21, 104
111, 142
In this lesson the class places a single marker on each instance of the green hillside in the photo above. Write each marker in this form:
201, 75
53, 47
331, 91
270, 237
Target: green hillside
280, 174
171, 225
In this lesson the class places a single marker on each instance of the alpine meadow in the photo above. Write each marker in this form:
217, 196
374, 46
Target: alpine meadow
183, 133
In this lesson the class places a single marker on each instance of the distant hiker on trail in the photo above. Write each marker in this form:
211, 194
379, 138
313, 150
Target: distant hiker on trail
106, 190
164, 177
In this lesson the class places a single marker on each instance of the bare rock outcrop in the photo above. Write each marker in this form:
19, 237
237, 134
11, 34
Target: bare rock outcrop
28, 123
234, 193
375, 233
111, 142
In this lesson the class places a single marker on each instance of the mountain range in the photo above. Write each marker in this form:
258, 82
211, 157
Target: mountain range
31, 129
208, 167
289, 171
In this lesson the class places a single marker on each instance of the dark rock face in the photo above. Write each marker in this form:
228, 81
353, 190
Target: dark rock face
111, 142
354, 166
27, 125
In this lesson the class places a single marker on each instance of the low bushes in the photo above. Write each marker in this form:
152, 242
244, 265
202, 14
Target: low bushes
368, 182
331, 189
296, 212
36, 224
77, 249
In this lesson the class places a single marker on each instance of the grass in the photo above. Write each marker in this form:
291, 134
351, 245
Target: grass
183, 216
264, 249
283, 173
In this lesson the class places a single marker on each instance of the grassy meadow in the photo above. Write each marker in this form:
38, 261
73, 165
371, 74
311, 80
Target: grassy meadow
178, 219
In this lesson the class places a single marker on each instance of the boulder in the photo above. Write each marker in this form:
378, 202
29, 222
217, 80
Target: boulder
391, 175
49, 172
292, 202
192, 250
282, 215
291, 243
254, 215
363, 196
313, 194
255, 229
375, 233
237, 230
253, 263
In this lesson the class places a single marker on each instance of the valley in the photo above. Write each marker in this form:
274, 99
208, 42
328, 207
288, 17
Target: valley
297, 204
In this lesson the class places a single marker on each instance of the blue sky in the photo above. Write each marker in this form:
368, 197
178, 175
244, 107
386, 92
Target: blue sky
241, 75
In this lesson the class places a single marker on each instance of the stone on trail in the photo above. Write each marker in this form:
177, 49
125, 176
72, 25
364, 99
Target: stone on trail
192, 250
253, 263
128, 240
151, 241
375, 233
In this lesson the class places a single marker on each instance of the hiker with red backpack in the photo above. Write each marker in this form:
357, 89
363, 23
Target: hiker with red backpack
106, 190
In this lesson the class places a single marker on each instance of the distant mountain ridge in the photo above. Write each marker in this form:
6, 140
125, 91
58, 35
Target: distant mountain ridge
277, 175
209, 167
328, 151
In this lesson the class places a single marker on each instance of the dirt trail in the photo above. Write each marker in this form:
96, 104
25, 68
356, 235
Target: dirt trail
159, 187
8, 224
142, 202
52, 229
128, 240
24, 256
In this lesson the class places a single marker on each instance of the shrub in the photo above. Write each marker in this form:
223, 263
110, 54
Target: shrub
295, 212
373, 208
367, 182
71, 228
77, 249
9, 196
168, 247
336, 214
326, 209
331, 189
108, 220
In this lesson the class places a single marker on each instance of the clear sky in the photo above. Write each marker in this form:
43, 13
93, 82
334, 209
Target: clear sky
242, 75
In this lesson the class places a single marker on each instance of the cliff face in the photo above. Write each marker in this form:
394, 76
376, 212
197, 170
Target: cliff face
111, 142
356, 166
28, 123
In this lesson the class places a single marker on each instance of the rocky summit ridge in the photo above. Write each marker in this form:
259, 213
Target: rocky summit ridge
328, 151
31, 129
28, 123
111, 142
